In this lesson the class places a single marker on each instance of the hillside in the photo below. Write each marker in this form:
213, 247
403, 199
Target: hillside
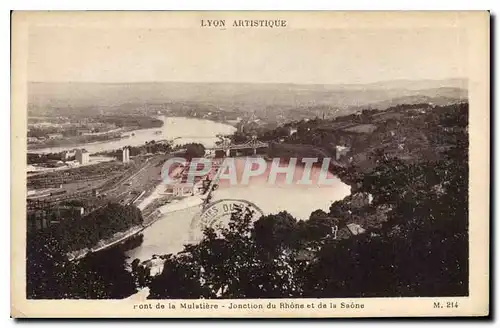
48, 98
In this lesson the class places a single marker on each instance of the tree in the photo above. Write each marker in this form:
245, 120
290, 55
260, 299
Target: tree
276, 232
318, 214
230, 263
50, 275
421, 248
141, 273
195, 150
75, 234
102, 275
45, 267
180, 279
339, 209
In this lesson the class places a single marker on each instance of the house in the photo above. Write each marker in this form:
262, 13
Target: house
181, 189
355, 229
54, 136
339, 233
67, 154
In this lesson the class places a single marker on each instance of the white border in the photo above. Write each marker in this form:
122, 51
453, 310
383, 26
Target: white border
184, 5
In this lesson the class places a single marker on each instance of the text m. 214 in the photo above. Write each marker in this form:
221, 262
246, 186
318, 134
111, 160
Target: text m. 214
445, 305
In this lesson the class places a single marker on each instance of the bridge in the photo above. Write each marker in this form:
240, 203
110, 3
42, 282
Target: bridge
252, 144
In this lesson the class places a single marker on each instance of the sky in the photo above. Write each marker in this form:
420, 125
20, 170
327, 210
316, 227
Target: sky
302, 56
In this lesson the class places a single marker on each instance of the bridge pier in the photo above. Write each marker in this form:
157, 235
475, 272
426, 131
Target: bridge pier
228, 149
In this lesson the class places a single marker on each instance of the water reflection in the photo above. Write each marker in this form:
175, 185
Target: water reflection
182, 129
169, 234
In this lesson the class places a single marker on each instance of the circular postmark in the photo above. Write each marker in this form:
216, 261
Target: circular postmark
219, 213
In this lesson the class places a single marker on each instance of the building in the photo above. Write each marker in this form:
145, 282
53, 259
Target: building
82, 131
44, 218
125, 156
346, 231
67, 155
82, 156
355, 229
38, 220
209, 152
54, 136
180, 190
68, 212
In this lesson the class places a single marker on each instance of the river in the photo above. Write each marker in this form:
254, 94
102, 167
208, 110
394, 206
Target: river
182, 129
172, 231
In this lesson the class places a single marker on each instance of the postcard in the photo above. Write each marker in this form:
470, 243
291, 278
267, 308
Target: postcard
250, 164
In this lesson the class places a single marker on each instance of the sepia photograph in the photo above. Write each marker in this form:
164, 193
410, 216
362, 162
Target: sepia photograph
250, 163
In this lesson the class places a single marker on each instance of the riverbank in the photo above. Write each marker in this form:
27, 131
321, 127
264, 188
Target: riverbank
117, 238
182, 130
71, 142
209, 118
123, 236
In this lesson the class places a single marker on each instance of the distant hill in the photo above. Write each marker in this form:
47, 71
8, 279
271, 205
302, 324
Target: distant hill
438, 96
412, 84
243, 96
